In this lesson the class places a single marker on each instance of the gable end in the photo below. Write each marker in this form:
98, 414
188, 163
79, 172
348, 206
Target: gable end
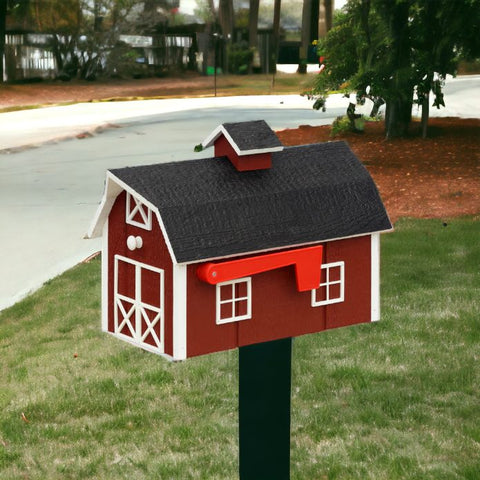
246, 138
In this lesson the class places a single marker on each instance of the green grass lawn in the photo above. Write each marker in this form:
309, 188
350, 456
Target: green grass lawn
398, 399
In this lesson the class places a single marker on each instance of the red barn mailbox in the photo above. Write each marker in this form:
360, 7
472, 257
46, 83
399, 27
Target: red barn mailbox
292, 232
260, 243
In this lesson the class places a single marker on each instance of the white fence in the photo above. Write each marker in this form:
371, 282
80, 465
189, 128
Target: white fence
26, 57
163, 50
37, 60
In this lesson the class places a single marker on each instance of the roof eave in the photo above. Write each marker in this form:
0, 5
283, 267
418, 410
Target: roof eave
113, 187
111, 192
273, 249
221, 130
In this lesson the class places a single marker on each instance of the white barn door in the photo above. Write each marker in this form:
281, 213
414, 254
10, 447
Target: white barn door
139, 303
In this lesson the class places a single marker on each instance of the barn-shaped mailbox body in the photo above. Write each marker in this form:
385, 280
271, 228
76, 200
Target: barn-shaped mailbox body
258, 243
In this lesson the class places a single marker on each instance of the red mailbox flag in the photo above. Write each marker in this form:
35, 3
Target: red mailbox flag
307, 261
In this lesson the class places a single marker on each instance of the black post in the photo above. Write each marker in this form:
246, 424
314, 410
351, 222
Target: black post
264, 410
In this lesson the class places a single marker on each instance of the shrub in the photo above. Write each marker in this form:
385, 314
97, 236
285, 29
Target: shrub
239, 58
340, 125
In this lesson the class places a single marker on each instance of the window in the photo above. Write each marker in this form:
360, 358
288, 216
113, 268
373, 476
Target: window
234, 301
332, 285
137, 213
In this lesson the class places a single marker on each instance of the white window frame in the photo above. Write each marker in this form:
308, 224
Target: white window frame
328, 283
232, 300
133, 316
134, 207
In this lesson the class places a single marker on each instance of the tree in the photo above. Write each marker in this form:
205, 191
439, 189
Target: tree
398, 48
398, 88
207, 12
153, 13
225, 18
16, 8
306, 35
3, 21
62, 19
442, 32
325, 17
226, 22
276, 31
253, 29
85, 33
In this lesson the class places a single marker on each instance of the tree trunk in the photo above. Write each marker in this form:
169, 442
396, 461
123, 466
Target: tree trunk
398, 116
276, 32
306, 33
253, 29
425, 114
57, 53
3, 20
209, 53
400, 98
38, 15
329, 14
325, 17
377, 103
225, 19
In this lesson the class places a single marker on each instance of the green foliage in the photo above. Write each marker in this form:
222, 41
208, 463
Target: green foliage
122, 62
394, 400
242, 18
204, 12
85, 34
239, 56
340, 125
396, 47
340, 51
344, 124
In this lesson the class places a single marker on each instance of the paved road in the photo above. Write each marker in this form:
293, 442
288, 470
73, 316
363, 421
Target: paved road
49, 194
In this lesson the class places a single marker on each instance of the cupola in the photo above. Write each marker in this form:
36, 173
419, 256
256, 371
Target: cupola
248, 145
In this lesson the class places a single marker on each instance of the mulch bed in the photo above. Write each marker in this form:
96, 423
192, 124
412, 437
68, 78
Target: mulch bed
437, 177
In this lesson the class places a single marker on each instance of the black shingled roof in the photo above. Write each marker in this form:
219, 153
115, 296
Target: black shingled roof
252, 135
312, 193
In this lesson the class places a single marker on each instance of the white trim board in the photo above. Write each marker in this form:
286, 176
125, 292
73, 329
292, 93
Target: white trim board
220, 130
179, 314
284, 247
113, 187
105, 276
375, 276
139, 307
142, 346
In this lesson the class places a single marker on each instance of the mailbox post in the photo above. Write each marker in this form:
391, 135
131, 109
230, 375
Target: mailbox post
264, 410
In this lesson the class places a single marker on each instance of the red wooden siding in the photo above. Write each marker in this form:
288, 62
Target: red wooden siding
356, 308
203, 334
245, 162
278, 309
154, 252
